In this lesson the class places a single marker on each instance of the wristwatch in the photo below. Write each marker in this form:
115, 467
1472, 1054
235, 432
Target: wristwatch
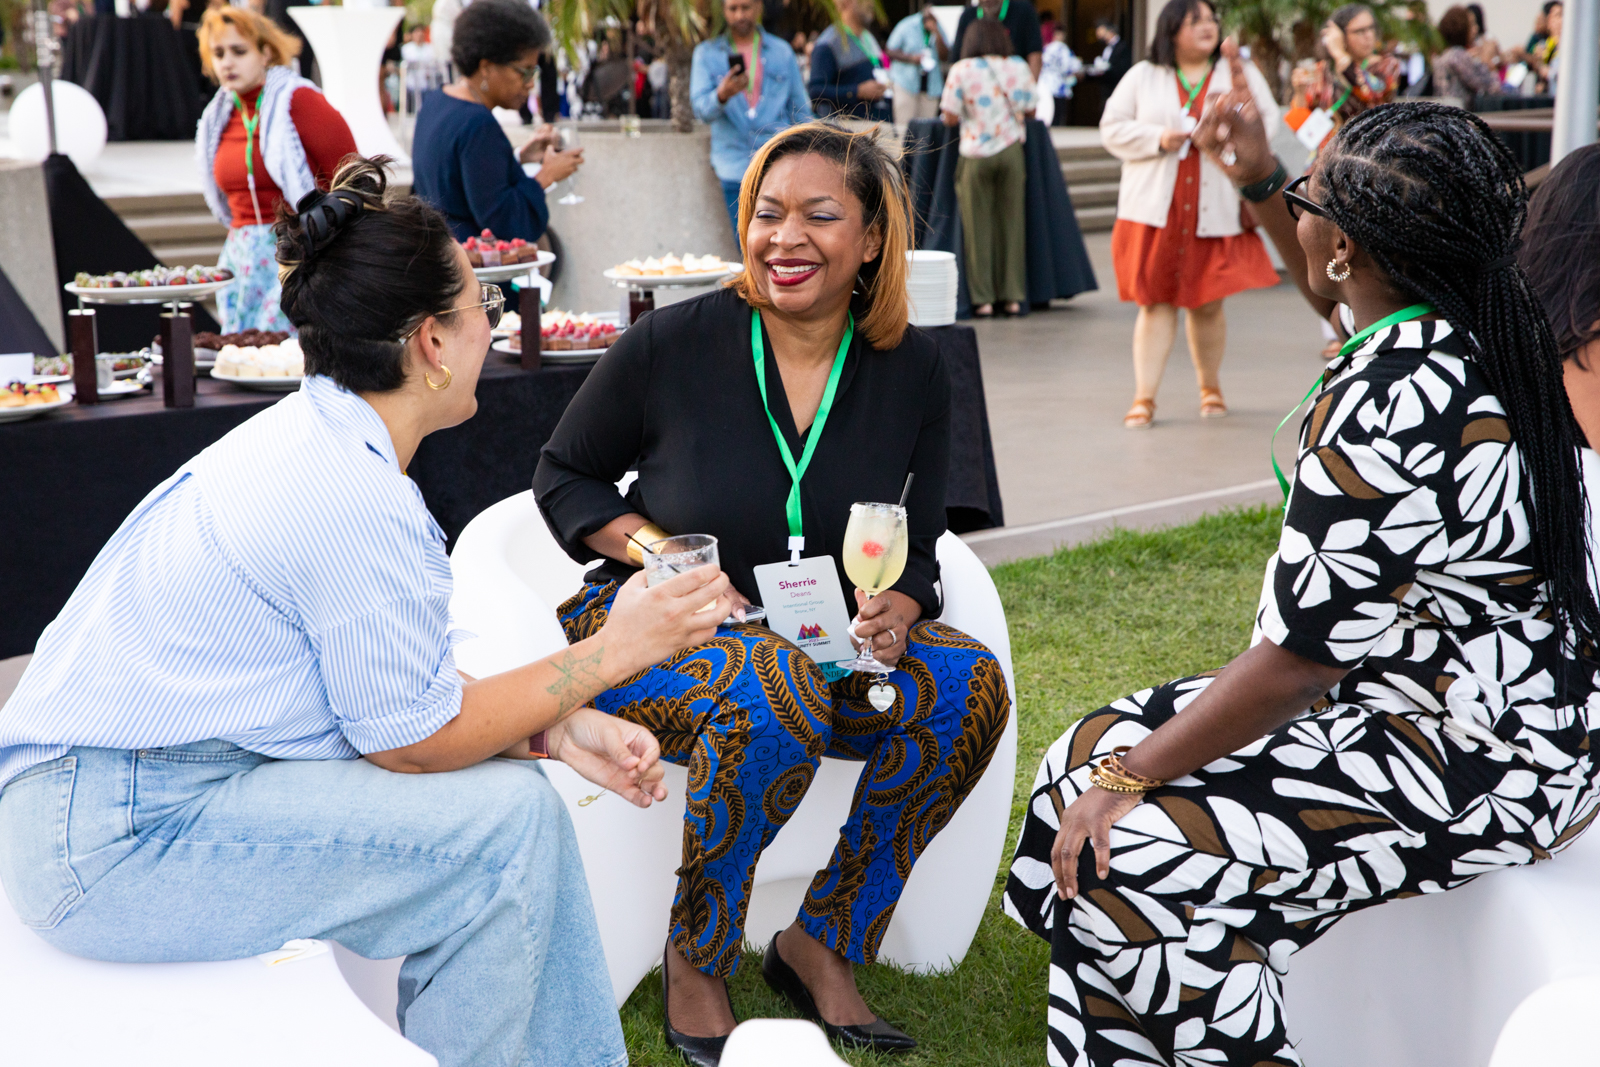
1256, 192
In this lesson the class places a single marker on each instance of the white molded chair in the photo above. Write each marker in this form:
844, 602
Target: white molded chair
59, 1009
510, 575
779, 1043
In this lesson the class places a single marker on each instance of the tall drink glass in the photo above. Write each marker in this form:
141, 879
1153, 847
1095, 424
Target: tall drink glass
876, 541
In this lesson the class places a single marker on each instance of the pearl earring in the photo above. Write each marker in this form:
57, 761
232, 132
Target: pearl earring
1335, 277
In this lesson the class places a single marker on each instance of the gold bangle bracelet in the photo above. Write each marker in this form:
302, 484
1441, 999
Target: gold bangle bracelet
1109, 785
1114, 764
648, 534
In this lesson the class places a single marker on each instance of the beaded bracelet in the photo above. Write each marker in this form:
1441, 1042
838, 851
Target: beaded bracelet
1114, 764
1099, 778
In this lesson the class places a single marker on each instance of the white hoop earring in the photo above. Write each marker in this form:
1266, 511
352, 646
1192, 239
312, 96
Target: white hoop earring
1333, 277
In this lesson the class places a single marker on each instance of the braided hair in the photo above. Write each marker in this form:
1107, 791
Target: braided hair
1438, 202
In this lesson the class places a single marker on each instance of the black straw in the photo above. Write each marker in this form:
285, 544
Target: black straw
905, 494
646, 548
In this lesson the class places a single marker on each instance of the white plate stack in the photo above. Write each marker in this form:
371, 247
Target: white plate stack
931, 288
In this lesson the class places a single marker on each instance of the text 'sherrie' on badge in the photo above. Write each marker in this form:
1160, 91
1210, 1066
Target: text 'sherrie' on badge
805, 604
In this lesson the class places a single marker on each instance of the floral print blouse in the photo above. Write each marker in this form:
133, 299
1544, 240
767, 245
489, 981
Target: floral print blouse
1405, 554
991, 96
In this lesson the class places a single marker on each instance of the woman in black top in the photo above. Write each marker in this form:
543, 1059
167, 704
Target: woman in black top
824, 219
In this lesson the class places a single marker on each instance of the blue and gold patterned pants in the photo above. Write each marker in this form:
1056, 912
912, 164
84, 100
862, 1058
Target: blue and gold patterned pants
752, 717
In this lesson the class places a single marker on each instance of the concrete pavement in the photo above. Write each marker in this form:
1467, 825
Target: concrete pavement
1059, 382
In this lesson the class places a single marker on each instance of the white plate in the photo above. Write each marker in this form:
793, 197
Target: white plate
509, 271
146, 294
48, 379
584, 355
120, 388
670, 281
278, 384
18, 414
201, 362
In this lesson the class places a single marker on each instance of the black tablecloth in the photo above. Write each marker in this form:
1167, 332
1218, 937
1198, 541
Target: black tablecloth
1058, 264
139, 71
75, 474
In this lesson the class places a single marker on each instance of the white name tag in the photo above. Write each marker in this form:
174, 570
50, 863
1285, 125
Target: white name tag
1189, 124
929, 63
1315, 129
805, 604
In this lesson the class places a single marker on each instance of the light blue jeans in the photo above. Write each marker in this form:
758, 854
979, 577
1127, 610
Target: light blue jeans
209, 852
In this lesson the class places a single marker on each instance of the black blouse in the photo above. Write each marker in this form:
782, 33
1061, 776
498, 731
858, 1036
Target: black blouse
676, 398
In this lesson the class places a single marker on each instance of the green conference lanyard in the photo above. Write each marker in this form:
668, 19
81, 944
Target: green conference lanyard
250, 125
876, 54
755, 68
1193, 90
1415, 311
797, 471
1005, 5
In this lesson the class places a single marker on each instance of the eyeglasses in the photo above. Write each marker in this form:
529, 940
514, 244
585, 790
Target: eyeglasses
1352, 31
527, 74
1298, 203
493, 304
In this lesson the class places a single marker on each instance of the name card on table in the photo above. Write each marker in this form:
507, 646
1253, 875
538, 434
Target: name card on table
15, 367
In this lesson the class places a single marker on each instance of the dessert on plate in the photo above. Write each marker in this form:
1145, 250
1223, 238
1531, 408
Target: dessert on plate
140, 279
487, 250
17, 395
284, 360
671, 265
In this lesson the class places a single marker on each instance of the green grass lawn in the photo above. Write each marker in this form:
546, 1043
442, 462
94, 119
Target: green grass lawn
1088, 625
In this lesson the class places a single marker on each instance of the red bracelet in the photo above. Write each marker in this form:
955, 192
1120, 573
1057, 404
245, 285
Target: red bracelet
538, 746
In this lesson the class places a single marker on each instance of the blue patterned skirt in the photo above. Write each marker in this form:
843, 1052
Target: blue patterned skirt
251, 302
752, 716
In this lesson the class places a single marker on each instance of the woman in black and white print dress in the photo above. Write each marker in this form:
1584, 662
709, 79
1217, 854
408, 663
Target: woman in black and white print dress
1413, 712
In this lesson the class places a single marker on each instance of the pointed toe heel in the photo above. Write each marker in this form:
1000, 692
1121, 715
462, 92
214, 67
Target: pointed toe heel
877, 1035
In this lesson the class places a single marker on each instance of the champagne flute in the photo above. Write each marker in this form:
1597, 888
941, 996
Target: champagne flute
569, 141
875, 545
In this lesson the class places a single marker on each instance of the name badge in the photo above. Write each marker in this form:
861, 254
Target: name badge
1189, 125
929, 63
1315, 129
805, 604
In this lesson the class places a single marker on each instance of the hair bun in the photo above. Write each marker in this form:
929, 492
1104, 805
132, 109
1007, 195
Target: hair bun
323, 215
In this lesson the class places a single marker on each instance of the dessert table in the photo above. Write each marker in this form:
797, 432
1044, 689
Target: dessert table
1058, 263
77, 472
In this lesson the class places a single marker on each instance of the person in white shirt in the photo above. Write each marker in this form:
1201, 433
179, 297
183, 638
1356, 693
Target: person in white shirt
1058, 74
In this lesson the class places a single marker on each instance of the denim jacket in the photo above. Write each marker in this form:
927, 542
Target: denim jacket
735, 136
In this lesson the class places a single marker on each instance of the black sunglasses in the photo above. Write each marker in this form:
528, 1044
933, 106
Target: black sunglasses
1298, 203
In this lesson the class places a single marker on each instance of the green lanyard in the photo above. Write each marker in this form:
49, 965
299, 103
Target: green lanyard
798, 470
876, 54
755, 66
1415, 311
1005, 5
1192, 90
250, 125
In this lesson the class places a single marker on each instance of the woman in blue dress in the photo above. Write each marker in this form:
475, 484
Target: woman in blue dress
462, 162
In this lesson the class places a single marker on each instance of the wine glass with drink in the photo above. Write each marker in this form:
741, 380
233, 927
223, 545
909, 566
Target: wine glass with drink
875, 544
569, 140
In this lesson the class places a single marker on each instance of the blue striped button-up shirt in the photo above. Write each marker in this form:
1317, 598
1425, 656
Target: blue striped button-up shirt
285, 590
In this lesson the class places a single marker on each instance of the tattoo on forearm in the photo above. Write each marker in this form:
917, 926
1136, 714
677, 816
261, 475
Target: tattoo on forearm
578, 678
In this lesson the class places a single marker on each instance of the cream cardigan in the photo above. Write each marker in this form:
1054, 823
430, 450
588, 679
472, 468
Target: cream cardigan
1146, 102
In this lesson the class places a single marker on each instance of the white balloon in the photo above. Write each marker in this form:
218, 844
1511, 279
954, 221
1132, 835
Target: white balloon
80, 124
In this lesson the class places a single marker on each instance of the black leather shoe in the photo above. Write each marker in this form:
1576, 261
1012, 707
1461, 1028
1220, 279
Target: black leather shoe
877, 1035
696, 1051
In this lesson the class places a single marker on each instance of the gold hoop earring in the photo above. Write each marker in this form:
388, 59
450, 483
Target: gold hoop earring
1332, 277
442, 385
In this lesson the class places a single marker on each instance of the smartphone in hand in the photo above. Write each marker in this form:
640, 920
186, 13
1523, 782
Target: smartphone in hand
736, 63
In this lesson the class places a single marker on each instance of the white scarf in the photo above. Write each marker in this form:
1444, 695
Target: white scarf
282, 154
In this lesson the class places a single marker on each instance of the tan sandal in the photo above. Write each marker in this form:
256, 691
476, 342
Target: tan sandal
1141, 415
1212, 406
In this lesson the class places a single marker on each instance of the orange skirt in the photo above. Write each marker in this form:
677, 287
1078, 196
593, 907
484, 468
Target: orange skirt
1172, 265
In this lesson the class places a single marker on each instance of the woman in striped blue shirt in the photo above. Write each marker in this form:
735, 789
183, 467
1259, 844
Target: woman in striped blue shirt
199, 763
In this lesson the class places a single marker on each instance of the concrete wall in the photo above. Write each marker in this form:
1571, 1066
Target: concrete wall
26, 251
644, 196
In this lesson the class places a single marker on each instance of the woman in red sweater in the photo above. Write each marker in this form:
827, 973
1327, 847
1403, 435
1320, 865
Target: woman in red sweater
268, 136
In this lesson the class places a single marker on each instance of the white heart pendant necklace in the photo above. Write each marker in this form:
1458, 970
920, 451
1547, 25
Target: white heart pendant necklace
880, 696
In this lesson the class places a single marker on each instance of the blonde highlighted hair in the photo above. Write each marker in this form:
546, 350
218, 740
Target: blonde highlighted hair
874, 178
259, 30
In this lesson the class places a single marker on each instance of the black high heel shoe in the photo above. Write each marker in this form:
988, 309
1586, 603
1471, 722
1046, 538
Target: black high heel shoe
696, 1051
877, 1035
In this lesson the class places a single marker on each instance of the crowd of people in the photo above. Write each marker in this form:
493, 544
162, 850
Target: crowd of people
326, 771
